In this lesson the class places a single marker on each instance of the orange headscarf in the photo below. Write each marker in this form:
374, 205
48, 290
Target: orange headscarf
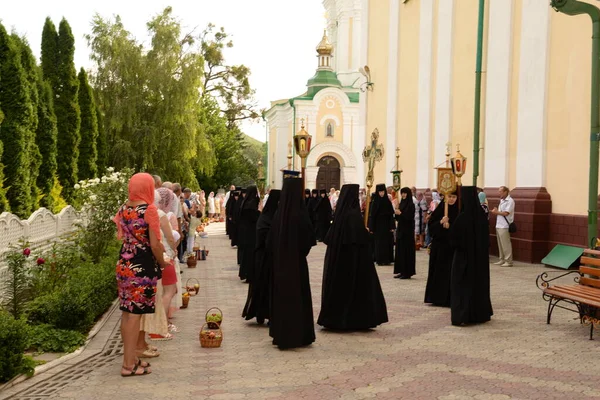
141, 188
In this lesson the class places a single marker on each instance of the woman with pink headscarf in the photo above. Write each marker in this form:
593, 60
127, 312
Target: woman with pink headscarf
137, 273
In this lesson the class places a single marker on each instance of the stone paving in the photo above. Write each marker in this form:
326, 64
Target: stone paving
417, 355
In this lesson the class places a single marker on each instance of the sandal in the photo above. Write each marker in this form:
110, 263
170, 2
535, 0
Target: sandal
168, 336
133, 371
147, 353
151, 348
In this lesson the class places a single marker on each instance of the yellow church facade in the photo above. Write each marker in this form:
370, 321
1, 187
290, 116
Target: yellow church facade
535, 104
418, 90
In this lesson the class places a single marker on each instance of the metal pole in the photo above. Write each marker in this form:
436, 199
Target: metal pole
574, 7
477, 116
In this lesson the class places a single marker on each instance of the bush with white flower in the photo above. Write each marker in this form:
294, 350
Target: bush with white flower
99, 199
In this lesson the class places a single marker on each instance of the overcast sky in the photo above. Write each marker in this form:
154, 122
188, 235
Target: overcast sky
275, 38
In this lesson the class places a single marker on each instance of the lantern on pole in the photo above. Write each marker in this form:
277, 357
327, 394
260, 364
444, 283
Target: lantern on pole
302, 141
396, 172
459, 165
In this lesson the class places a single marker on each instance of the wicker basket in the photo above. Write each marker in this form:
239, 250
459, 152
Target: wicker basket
210, 337
191, 261
218, 314
192, 288
185, 301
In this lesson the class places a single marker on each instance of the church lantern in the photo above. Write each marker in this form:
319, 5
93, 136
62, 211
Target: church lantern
459, 164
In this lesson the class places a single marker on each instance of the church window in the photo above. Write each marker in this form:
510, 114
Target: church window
329, 130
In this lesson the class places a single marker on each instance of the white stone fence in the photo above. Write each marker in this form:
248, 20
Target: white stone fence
41, 230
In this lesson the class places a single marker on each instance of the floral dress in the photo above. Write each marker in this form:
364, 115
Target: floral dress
137, 271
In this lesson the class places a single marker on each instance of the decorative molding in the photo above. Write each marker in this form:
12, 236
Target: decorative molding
330, 117
334, 93
343, 153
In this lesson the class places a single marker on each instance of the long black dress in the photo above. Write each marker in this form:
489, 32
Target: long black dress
381, 224
405, 237
257, 303
228, 207
323, 212
248, 217
470, 279
231, 217
306, 197
290, 240
237, 218
312, 208
352, 297
437, 291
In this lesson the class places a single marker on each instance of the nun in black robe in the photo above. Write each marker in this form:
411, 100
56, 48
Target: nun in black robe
437, 291
237, 218
381, 224
323, 212
312, 208
352, 298
306, 197
228, 207
257, 304
404, 265
470, 277
248, 217
231, 213
289, 241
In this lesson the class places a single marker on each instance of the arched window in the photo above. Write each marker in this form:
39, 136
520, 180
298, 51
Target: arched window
329, 130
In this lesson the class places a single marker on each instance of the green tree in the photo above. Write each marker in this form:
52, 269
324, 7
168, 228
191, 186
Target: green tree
67, 110
3, 202
46, 137
32, 73
101, 145
88, 154
16, 130
49, 58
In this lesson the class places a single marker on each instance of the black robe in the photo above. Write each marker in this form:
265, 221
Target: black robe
381, 224
312, 208
405, 238
351, 297
290, 240
437, 291
248, 217
257, 304
470, 279
232, 212
228, 209
237, 219
323, 213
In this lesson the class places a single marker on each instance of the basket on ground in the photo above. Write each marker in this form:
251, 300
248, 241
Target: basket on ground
192, 286
191, 261
210, 337
185, 298
214, 317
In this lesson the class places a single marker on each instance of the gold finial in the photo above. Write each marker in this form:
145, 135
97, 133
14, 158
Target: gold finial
301, 123
324, 47
289, 156
448, 150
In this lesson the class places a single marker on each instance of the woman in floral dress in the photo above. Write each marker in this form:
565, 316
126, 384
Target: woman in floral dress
139, 266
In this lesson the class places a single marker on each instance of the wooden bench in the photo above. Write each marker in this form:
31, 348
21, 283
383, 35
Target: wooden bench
584, 295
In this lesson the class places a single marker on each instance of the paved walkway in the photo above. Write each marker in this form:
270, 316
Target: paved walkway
418, 355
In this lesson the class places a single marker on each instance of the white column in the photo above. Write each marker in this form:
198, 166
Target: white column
361, 134
392, 100
424, 162
443, 97
533, 76
343, 35
311, 177
349, 176
498, 83
347, 127
356, 41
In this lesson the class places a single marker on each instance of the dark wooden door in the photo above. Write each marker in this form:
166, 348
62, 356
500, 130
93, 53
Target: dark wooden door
329, 173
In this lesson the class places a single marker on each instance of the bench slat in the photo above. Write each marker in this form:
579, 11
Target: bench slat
592, 252
589, 261
574, 298
589, 271
589, 282
572, 292
590, 292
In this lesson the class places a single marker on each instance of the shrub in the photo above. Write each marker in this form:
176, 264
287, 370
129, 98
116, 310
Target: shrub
16, 287
100, 199
14, 335
53, 267
48, 339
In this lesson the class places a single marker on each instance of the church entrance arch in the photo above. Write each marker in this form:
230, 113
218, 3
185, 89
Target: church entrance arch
329, 173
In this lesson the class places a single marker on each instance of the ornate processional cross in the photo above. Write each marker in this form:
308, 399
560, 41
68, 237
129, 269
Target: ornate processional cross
371, 154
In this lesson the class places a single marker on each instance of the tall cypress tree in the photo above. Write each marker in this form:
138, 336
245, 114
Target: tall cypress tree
35, 158
88, 154
67, 112
16, 127
46, 140
101, 143
3, 202
49, 59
